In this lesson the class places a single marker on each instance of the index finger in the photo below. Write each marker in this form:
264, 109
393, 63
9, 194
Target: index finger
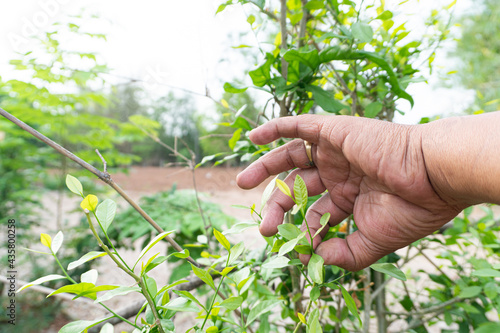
306, 127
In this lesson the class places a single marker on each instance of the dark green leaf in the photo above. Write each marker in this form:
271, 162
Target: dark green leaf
373, 109
325, 99
308, 58
349, 302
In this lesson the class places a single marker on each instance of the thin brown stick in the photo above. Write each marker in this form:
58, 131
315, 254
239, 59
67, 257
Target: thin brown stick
104, 176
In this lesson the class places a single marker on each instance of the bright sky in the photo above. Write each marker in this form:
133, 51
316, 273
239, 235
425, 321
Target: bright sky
183, 44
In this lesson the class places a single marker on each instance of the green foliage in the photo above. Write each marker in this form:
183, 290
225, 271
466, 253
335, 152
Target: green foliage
477, 54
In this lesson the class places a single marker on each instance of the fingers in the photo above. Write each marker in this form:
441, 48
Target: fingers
289, 156
307, 127
279, 203
353, 253
313, 216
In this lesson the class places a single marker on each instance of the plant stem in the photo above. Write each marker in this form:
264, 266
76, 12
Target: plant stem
104, 176
138, 280
60, 266
215, 295
305, 314
118, 316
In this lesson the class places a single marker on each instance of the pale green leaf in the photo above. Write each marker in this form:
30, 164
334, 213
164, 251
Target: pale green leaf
288, 246
289, 231
151, 244
81, 325
89, 276
469, 292
41, 280
120, 291
315, 268
362, 31
300, 191
276, 262
86, 257
106, 213
181, 304
260, 309
486, 272
222, 239
283, 187
74, 185
57, 242
231, 303
204, 276
390, 270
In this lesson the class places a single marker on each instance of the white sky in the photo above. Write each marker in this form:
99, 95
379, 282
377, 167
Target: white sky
181, 43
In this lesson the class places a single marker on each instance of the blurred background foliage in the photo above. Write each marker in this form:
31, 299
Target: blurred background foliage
78, 108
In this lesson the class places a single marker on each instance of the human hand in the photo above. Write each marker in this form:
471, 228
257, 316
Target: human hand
372, 169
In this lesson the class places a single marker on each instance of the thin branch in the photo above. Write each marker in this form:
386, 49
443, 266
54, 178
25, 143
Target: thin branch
105, 165
105, 177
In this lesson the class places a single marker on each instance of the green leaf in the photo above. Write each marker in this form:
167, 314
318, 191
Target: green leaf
289, 231
469, 292
390, 270
151, 244
74, 185
276, 262
262, 74
492, 327
230, 88
57, 242
324, 222
89, 202
181, 304
235, 138
41, 280
232, 303
221, 8
81, 325
308, 58
260, 309
204, 276
288, 246
315, 268
86, 257
268, 191
120, 291
106, 213
385, 15
325, 99
89, 276
314, 324
315, 292
46, 240
349, 302
238, 228
486, 272
373, 109
362, 31
236, 251
300, 191
222, 239
337, 53
189, 296
491, 290
283, 187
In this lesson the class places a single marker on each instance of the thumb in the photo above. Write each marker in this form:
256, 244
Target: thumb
353, 253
